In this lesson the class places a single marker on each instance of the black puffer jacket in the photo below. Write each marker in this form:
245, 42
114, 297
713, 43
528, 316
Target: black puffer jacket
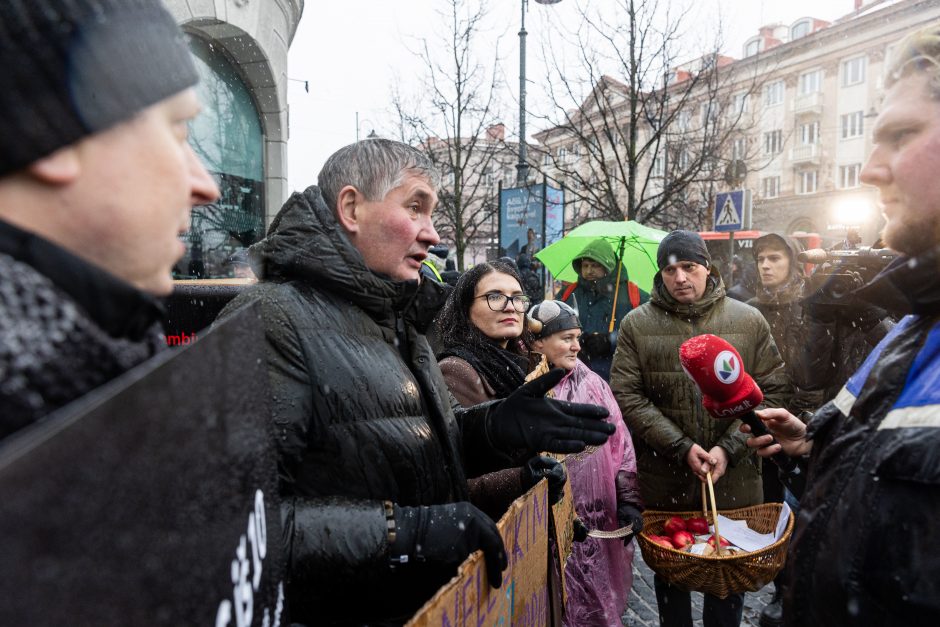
863, 550
361, 414
66, 327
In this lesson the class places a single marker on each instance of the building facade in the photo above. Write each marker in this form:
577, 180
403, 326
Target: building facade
240, 47
797, 109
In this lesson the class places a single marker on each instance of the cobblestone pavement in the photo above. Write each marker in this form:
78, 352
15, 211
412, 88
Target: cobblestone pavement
641, 609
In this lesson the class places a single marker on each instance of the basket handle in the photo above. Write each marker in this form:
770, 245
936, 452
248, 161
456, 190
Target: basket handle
711, 493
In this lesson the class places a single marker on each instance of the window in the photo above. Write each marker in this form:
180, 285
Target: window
740, 103
810, 82
852, 125
806, 182
853, 71
547, 159
848, 175
657, 169
562, 154
684, 159
684, 120
773, 142
770, 186
229, 139
739, 148
752, 47
809, 133
800, 29
773, 93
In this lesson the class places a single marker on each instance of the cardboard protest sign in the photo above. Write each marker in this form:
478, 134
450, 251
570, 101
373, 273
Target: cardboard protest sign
563, 516
152, 500
468, 598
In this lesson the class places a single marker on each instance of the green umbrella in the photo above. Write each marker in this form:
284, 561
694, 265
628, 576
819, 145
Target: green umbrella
634, 243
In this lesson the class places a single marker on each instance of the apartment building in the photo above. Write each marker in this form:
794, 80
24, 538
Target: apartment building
796, 112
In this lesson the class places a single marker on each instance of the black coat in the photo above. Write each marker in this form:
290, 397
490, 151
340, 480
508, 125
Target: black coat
361, 415
66, 327
863, 550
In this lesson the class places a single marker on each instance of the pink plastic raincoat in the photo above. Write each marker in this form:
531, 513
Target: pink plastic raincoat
599, 574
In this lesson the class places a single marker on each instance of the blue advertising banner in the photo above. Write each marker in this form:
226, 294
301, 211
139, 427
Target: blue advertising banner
521, 213
554, 214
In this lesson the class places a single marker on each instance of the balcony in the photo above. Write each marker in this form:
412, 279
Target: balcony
807, 153
808, 103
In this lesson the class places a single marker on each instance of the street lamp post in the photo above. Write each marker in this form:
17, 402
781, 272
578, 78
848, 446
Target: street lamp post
522, 168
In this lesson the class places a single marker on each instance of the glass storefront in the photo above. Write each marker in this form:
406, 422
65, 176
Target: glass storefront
227, 136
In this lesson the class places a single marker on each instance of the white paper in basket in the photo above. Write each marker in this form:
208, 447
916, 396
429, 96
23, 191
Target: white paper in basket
739, 534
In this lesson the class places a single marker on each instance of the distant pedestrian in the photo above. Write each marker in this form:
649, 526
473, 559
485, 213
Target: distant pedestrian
592, 296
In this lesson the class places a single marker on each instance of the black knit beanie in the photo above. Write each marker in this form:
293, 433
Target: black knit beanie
70, 68
682, 246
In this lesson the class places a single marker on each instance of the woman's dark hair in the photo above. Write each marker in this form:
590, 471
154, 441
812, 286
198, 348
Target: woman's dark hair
453, 323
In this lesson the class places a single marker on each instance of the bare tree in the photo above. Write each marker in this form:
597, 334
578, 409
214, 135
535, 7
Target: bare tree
654, 144
455, 119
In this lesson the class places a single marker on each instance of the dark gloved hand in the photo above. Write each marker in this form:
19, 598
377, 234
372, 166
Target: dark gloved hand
580, 530
543, 466
630, 514
448, 534
528, 420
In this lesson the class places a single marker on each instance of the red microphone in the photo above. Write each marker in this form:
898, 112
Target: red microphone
728, 392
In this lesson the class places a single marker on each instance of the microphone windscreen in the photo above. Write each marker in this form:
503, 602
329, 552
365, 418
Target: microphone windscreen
813, 255
716, 368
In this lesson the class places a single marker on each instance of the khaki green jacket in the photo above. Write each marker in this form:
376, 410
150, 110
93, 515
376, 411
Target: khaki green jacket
662, 406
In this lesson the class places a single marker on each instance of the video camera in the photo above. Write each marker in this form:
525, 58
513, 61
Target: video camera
843, 271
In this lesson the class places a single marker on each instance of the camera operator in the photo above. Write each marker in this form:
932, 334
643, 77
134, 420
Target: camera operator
840, 328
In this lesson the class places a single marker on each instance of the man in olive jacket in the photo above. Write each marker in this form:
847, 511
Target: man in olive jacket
676, 441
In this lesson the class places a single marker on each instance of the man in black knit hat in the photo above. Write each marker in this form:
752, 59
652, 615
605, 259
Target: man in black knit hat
96, 182
677, 443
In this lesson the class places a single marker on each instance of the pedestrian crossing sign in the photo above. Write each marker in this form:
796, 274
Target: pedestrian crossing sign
733, 211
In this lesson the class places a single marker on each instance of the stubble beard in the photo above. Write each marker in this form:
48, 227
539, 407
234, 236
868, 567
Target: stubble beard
912, 236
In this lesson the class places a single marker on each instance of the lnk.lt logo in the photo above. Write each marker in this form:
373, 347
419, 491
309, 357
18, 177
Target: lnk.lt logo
727, 367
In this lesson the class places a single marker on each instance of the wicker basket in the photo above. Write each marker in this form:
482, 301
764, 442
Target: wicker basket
714, 574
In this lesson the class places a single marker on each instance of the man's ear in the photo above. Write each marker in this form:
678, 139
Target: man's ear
59, 168
348, 205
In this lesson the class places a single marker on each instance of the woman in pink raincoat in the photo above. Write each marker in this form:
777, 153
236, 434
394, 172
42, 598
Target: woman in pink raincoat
598, 575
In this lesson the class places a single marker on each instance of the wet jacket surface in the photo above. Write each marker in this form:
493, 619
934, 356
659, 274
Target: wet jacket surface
863, 550
663, 407
66, 328
599, 575
360, 415
784, 313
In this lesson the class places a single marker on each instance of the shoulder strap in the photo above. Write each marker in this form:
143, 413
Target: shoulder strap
568, 291
633, 290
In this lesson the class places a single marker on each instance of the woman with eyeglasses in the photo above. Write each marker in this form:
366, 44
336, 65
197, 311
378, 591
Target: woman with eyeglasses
481, 329
485, 357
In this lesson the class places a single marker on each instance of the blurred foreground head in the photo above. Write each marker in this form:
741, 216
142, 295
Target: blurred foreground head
906, 151
95, 100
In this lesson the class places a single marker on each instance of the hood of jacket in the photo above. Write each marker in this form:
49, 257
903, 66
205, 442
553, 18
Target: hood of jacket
306, 243
907, 285
714, 291
600, 251
793, 289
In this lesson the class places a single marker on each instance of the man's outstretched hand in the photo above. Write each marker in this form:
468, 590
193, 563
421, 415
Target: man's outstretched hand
527, 419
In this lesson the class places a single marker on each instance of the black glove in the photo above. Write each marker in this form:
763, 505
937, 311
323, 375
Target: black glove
580, 530
543, 466
448, 534
528, 420
629, 514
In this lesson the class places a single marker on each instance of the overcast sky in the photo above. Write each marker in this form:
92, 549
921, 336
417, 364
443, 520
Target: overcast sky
352, 52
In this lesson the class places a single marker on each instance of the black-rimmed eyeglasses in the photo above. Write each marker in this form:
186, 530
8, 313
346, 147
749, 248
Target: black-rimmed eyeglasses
497, 301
